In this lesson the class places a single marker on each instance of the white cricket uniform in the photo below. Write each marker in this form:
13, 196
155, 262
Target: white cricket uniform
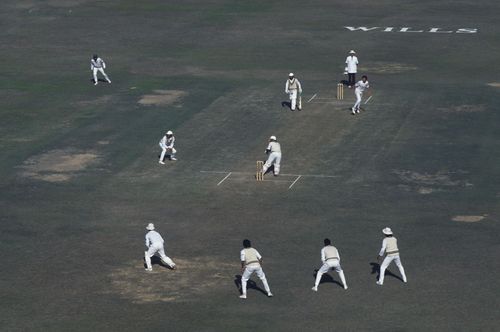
251, 259
98, 65
352, 68
274, 150
360, 88
331, 260
390, 248
167, 144
291, 88
154, 242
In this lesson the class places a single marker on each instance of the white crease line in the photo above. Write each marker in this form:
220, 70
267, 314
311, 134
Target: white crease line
297, 179
229, 174
281, 174
368, 99
312, 97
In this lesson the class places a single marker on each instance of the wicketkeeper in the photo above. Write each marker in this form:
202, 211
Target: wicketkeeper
154, 243
97, 64
293, 89
274, 151
167, 147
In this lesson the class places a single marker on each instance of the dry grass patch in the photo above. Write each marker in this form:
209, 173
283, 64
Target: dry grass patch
162, 97
58, 165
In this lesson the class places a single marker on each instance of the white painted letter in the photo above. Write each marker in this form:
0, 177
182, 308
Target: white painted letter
465, 30
361, 28
388, 29
408, 30
436, 30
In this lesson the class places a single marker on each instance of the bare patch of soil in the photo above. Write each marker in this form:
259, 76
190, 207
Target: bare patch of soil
494, 84
468, 218
425, 183
58, 165
464, 108
162, 97
193, 277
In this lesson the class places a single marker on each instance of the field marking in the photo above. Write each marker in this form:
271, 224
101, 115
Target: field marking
281, 174
220, 182
314, 96
294, 182
366, 102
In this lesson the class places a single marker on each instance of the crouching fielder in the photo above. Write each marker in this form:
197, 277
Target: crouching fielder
167, 145
274, 151
154, 243
331, 261
361, 87
390, 248
251, 261
97, 64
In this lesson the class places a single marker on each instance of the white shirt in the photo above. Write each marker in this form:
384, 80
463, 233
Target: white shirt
384, 247
352, 64
323, 255
274, 147
243, 258
167, 143
99, 63
288, 83
152, 238
362, 86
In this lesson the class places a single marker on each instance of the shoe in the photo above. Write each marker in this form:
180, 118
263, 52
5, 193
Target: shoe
276, 174
109, 81
149, 269
345, 287
353, 112
269, 294
299, 109
174, 267
243, 296
379, 283
173, 158
405, 281
357, 111
161, 162
95, 83
315, 289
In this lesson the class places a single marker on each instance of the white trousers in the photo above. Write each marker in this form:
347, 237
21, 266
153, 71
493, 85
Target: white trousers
249, 270
359, 95
385, 264
157, 248
293, 98
331, 264
95, 70
164, 150
273, 159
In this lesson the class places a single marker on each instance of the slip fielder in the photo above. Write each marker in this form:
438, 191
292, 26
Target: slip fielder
154, 243
390, 248
331, 261
251, 261
97, 64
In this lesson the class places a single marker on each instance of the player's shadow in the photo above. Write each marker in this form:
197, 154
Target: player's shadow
287, 104
376, 270
98, 80
250, 285
155, 260
326, 278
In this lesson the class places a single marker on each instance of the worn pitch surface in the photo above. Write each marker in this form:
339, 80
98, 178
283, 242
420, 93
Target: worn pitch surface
80, 177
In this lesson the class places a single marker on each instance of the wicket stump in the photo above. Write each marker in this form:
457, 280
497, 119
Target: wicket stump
259, 176
340, 91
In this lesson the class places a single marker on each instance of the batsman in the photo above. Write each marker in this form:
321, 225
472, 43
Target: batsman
294, 90
273, 151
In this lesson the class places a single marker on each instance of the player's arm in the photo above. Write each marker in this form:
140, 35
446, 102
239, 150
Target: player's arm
242, 260
382, 250
286, 87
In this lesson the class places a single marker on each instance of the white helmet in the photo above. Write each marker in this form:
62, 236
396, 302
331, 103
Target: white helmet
170, 132
272, 138
290, 75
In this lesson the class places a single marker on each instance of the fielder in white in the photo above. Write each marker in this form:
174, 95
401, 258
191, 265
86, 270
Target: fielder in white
351, 63
251, 261
154, 243
292, 88
331, 261
390, 248
274, 151
361, 87
97, 64
167, 145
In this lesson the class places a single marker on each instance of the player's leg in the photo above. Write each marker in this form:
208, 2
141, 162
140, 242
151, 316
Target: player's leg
262, 277
277, 163
104, 74
163, 152
340, 272
397, 260
355, 108
383, 267
172, 156
268, 163
94, 73
322, 270
147, 257
244, 279
293, 99
167, 260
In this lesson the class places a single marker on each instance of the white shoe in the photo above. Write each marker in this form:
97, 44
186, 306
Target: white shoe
353, 112
379, 283
243, 296
357, 111
269, 294
109, 81
149, 269
405, 281
345, 287
161, 162
315, 289
173, 158
95, 83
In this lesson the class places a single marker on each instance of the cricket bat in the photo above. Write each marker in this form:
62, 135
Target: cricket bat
300, 101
